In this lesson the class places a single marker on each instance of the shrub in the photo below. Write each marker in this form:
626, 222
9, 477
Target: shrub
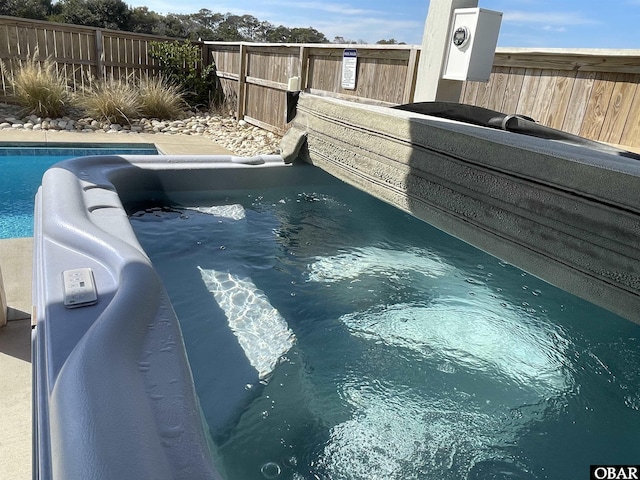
179, 63
37, 86
114, 101
161, 99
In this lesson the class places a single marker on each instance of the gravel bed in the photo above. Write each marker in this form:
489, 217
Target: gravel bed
237, 136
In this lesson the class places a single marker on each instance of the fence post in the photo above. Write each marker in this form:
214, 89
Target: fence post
410, 80
99, 54
242, 84
304, 57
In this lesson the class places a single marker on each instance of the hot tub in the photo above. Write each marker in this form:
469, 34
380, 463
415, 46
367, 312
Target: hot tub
114, 395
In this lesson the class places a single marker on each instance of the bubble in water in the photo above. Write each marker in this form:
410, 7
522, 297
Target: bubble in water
291, 461
270, 470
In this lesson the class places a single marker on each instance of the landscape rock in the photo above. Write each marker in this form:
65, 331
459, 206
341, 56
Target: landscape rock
240, 137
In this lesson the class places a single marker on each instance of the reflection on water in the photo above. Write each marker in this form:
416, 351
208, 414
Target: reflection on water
261, 331
466, 333
415, 355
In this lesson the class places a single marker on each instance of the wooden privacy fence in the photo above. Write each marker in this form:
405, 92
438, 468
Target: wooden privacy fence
255, 76
81, 53
592, 93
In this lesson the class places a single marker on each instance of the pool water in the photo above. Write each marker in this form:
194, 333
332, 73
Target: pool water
394, 350
22, 170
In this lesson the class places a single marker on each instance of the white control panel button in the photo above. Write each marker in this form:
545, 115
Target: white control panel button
79, 288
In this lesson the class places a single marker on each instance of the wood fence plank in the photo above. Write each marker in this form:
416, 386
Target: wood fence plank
24, 43
41, 43
12, 40
5, 44
597, 106
578, 101
470, 93
50, 41
498, 87
557, 109
513, 89
544, 94
530, 85
631, 134
484, 92
617, 114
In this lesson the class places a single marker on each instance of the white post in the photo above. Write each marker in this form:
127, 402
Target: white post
430, 86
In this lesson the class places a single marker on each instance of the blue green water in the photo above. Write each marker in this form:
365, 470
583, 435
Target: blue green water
395, 351
22, 171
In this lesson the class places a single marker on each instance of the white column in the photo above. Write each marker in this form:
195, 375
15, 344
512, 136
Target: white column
429, 84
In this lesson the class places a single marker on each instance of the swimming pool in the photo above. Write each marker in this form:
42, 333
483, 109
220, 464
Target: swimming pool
23, 165
331, 337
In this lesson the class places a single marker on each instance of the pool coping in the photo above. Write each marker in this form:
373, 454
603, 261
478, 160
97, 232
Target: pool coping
165, 143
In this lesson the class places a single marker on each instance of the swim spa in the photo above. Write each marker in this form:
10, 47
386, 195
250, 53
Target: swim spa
411, 356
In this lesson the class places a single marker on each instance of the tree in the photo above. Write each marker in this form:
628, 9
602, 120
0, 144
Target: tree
343, 40
307, 35
173, 26
228, 30
143, 20
249, 27
35, 9
113, 14
205, 24
279, 34
391, 41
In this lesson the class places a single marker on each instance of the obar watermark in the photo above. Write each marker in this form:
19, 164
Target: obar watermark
615, 472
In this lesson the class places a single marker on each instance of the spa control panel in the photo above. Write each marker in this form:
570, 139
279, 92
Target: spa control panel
79, 288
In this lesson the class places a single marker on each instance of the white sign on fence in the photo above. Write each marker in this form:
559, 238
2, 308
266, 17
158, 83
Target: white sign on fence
349, 68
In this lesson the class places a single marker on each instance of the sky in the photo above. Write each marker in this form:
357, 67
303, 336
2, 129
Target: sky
525, 23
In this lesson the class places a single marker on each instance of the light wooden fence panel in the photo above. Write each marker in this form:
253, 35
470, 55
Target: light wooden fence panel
81, 53
381, 74
589, 93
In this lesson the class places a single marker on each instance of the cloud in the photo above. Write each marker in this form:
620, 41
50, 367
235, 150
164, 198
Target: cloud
547, 18
551, 28
372, 29
339, 8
